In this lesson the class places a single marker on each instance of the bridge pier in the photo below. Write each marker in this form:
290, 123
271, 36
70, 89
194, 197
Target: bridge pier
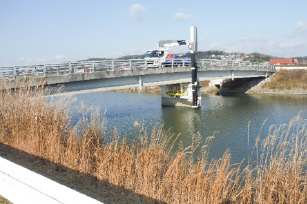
141, 83
179, 95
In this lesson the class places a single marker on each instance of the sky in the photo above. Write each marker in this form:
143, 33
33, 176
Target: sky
55, 31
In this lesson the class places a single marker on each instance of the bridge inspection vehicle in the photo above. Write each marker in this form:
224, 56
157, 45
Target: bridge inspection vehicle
178, 94
162, 58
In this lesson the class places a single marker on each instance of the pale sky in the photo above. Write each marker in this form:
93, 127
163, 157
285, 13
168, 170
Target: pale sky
54, 31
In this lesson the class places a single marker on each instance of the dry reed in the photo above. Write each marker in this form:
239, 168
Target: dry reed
32, 123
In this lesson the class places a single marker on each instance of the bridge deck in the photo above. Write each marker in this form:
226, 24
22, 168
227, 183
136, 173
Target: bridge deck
92, 77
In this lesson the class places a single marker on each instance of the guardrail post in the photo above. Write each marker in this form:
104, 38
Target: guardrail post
173, 62
130, 64
93, 66
14, 71
34, 71
70, 68
112, 64
44, 70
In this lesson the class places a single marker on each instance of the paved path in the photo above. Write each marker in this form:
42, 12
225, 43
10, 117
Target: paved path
20, 185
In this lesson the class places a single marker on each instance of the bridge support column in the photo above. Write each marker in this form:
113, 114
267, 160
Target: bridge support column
140, 83
179, 95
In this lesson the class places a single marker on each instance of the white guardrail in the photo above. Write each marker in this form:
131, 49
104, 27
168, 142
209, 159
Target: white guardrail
109, 65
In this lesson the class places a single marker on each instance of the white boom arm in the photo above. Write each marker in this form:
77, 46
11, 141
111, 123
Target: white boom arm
166, 44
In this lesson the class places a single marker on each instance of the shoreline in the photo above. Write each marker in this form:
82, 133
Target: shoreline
278, 92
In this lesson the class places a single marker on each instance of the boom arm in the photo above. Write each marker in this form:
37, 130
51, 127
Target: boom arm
166, 44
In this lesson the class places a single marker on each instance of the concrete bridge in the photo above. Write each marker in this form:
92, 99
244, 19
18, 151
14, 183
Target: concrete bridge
114, 74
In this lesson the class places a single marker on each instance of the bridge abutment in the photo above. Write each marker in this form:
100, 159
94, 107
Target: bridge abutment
239, 85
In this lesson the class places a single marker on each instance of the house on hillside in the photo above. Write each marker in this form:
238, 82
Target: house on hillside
285, 61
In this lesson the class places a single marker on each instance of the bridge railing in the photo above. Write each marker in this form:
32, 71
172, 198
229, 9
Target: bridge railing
236, 65
6, 72
112, 65
106, 65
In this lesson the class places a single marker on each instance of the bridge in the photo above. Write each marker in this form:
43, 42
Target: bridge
115, 74
178, 78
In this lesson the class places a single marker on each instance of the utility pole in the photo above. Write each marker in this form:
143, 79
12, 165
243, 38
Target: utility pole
193, 41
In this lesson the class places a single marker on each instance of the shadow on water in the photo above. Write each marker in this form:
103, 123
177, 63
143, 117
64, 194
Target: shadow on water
83, 183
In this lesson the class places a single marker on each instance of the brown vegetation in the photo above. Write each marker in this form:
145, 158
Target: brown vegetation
4, 201
288, 80
148, 166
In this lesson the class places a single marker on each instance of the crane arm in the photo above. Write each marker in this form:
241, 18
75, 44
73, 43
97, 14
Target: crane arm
166, 44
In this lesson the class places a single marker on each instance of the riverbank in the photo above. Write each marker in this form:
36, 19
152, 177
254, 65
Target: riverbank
148, 168
4, 200
283, 82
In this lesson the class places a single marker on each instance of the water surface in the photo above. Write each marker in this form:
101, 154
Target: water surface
227, 116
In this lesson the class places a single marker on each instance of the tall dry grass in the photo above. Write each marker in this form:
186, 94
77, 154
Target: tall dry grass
148, 166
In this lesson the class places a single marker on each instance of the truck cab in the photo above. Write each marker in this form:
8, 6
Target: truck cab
155, 58
161, 57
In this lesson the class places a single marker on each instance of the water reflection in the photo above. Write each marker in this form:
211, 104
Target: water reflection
183, 120
229, 117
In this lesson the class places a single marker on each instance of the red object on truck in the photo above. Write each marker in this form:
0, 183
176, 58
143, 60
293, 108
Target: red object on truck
169, 56
281, 61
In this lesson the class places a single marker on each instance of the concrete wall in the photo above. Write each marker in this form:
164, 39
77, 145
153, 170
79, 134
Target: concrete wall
20, 185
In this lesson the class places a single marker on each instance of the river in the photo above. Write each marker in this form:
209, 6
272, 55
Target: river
227, 116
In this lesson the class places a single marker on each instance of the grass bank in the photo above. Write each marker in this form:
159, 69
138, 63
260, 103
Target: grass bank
288, 79
148, 166
4, 201
284, 81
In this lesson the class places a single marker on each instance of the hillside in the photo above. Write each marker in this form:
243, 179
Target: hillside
213, 54
258, 57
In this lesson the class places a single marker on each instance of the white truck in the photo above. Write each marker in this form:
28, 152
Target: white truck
161, 57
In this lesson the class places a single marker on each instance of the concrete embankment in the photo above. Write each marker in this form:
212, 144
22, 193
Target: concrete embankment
20, 185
